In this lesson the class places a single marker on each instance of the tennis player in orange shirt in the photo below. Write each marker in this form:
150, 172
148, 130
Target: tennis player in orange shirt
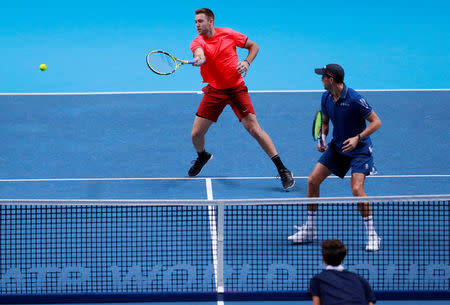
215, 52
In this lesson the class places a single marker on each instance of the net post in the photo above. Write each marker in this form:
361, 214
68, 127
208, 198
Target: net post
220, 246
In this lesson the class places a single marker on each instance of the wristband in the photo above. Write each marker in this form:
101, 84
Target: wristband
247, 62
359, 138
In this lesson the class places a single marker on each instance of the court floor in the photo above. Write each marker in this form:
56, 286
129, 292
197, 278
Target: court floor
138, 146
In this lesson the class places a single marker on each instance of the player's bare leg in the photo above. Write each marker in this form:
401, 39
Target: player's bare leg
308, 231
357, 184
251, 124
199, 129
254, 129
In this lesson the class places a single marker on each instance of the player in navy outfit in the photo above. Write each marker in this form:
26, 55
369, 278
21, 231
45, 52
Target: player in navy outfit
350, 147
335, 285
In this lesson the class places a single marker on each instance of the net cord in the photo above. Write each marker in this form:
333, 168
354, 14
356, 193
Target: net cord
222, 202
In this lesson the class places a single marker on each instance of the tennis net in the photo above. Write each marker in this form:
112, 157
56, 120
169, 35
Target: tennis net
149, 249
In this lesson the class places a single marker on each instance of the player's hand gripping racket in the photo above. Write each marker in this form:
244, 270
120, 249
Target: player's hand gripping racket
163, 63
317, 128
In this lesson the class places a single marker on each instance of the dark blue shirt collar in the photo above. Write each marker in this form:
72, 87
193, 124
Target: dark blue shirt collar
343, 93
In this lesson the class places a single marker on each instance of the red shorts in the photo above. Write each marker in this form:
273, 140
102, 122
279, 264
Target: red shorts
215, 100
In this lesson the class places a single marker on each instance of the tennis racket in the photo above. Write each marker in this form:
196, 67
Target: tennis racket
317, 128
163, 63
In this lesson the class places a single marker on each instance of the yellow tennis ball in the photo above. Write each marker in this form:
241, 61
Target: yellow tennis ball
43, 67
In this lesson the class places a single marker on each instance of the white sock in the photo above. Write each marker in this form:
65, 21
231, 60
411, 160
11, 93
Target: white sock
310, 221
368, 222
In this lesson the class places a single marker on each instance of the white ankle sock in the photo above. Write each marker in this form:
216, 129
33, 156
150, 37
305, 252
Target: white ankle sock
310, 222
368, 222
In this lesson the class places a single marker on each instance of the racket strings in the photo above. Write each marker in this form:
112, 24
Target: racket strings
161, 63
317, 125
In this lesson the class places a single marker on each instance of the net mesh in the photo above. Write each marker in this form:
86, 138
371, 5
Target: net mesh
147, 246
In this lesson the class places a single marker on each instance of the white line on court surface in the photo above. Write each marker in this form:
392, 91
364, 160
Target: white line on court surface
200, 92
103, 93
365, 90
209, 193
213, 229
201, 178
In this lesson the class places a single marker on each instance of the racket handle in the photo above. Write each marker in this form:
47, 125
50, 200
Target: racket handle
191, 62
321, 140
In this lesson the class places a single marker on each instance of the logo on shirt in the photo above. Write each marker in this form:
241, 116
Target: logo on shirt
345, 104
363, 102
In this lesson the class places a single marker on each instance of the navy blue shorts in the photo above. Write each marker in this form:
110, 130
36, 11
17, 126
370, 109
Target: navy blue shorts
340, 163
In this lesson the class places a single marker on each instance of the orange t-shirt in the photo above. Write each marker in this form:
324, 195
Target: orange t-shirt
219, 69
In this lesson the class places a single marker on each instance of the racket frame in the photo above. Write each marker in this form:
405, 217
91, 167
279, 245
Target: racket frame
318, 136
177, 65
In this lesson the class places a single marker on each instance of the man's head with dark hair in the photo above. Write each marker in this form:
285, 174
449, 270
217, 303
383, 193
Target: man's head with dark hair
204, 22
333, 252
208, 13
334, 71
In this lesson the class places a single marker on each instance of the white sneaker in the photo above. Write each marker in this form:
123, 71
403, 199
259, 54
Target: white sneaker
305, 234
373, 242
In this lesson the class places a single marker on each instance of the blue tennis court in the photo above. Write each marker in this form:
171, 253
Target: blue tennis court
137, 146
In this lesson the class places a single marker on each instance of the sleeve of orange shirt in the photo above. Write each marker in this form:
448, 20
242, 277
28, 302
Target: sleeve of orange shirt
195, 44
239, 38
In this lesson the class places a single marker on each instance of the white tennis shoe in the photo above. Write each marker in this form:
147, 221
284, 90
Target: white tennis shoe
305, 234
373, 242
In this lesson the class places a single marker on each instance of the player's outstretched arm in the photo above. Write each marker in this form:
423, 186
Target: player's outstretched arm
199, 57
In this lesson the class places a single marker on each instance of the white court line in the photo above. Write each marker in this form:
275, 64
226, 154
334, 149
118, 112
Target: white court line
200, 92
365, 90
213, 229
103, 93
209, 193
202, 178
